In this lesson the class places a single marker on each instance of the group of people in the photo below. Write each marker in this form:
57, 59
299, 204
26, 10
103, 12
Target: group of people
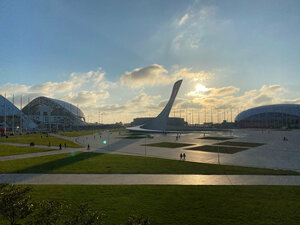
182, 156
178, 136
285, 138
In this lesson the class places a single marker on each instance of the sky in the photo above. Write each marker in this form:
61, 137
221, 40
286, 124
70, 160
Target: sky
119, 59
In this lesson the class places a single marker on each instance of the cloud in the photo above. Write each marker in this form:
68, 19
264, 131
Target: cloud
195, 76
262, 99
86, 98
183, 19
201, 90
147, 76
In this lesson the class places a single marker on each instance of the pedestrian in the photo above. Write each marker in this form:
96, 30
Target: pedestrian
60, 146
180, 156
49, 144
65, 145
88, 148
184, 156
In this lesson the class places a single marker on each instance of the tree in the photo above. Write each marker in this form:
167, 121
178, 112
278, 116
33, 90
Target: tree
84, 215
15, 202
47, 213
137, 220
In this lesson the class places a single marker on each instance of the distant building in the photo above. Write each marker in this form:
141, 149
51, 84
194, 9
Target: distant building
270, 116
53, 114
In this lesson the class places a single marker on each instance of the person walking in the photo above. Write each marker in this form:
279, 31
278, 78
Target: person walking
180, 156
60, 146
184, 156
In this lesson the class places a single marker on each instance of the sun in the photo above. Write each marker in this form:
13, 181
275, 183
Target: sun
201, 88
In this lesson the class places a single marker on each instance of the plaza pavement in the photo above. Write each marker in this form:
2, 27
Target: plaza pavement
274, 154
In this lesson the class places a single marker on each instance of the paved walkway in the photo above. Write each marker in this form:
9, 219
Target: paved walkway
153, 179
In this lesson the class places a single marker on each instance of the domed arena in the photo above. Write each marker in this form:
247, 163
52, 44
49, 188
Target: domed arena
270, 116
54, 114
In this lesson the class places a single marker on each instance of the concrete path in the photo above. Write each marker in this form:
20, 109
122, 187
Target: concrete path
37, 154
152, 179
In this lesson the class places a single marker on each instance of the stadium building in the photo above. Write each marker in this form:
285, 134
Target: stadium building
52, 114
12, 119
270, 116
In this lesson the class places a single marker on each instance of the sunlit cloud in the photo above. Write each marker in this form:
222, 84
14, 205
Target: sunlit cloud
183, 19
147, 76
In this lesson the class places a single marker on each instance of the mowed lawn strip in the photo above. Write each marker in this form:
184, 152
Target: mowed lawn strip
220, 149
122, 164
240, 144
168, 144
6, 150
177, 205
216, 138
38, 139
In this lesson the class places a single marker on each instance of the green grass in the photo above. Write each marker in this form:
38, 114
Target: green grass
6, 150
178, 205
168, 144
79, 133
221, 149
38, 139
121, 164
216, 138
240, 144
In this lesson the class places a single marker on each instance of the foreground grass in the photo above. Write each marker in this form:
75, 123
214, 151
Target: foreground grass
216, 138
168, 144
6, 150
79, 133
177, 205
121, 164
240, 144
215, 149
38, 139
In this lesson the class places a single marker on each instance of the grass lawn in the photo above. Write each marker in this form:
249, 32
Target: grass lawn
189, 205
79, 133
122, 164
38, 139
240, 144
168, 144
216, 138
6, 150
221, 149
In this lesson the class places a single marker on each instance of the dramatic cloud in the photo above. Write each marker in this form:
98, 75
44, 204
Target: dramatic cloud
147, 76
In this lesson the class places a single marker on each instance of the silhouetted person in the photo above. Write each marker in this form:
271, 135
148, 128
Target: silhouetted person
183, 156
88, 147
60, 146
180, 156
